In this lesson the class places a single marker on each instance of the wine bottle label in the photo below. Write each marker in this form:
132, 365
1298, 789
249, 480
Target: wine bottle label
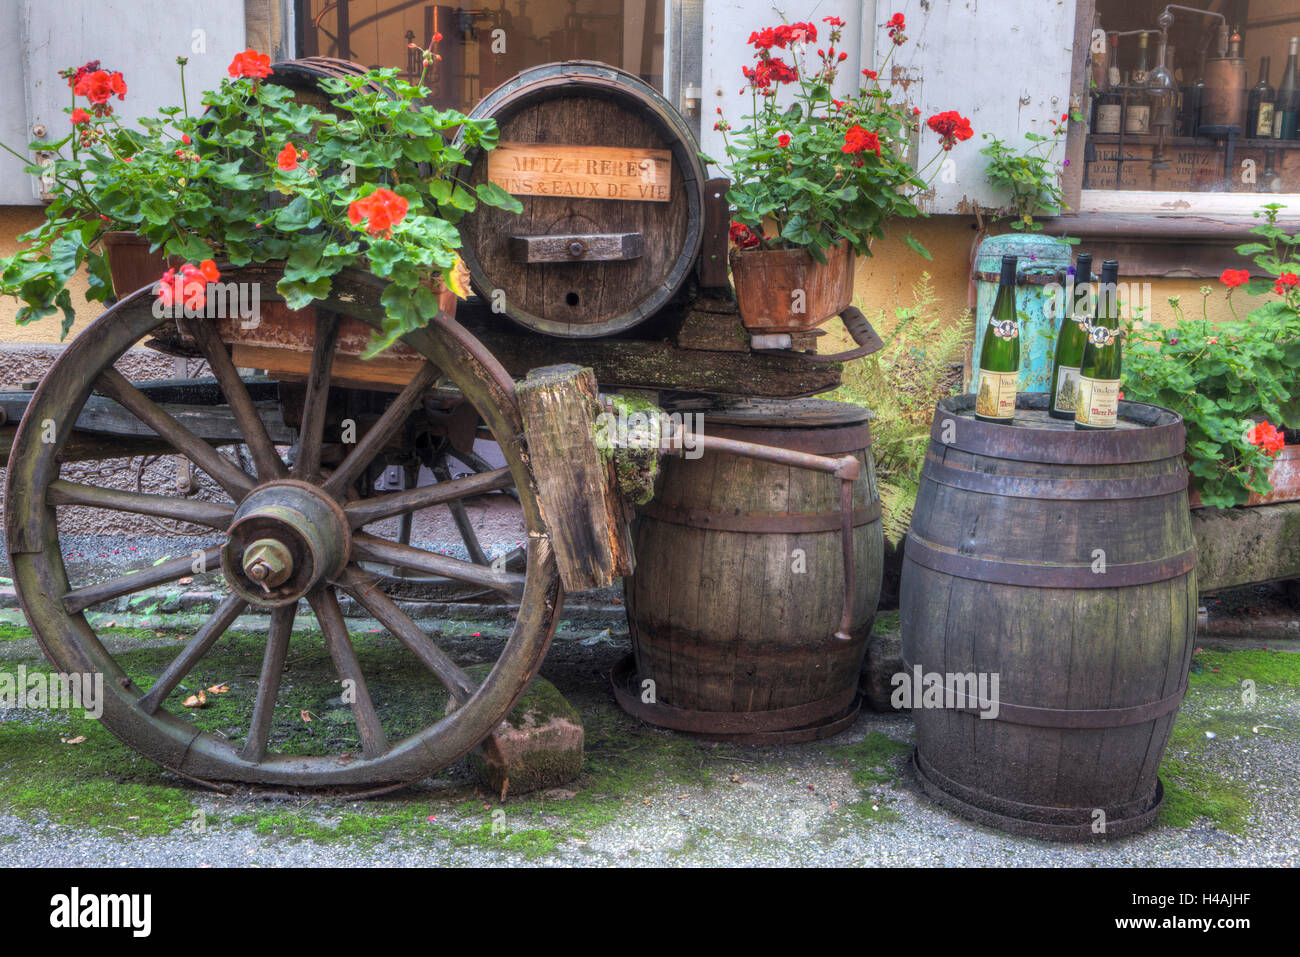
1098, 403
1108, 118
1139, 77
1278, 117
997, 395
1113, 76
1265, 125
1138, 119
1067, 389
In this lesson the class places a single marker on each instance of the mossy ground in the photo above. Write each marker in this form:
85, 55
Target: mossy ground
101, 784
1232, 699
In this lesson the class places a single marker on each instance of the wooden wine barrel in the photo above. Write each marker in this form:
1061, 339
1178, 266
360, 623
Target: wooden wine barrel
739, 581
1063, 563
612, 188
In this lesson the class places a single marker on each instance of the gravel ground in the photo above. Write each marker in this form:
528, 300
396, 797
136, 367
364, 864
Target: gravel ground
757, 806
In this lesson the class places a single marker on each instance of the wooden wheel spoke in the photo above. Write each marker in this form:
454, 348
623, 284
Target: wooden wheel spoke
360, 586
80, 599
268, 685
381, 432
233, 479
368, 510
370, 548
306, 465
460, 515
251, 426
212, 514
196, 648
374, 742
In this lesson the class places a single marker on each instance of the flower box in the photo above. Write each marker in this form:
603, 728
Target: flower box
1284, 475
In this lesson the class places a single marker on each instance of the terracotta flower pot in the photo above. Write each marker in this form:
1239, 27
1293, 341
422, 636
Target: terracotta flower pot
1284, 475
131, 264
772, 284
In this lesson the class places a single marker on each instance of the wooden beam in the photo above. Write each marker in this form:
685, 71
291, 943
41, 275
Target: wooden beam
577, 493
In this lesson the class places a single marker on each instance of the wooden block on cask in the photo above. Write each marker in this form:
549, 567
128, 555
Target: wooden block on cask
575, 483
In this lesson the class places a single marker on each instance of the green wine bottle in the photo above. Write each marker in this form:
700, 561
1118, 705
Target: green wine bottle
1000, 353
1099, 372
1071, 339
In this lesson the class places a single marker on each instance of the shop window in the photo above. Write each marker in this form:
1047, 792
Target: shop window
1201, 100
484, 46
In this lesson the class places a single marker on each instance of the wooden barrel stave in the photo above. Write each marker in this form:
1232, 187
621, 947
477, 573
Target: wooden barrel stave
1075, 647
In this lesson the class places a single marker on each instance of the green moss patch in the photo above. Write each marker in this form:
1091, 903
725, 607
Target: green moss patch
1228, 669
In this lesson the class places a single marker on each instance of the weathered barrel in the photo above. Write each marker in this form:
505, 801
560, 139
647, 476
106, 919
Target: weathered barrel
1049, 605
612, 188
739, 582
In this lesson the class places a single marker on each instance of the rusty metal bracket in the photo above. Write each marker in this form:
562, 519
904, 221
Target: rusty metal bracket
863, 334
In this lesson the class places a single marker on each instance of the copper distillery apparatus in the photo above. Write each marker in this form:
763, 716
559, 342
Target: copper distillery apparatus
1224, 103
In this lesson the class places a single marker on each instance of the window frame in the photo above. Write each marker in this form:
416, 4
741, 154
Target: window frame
1159, 229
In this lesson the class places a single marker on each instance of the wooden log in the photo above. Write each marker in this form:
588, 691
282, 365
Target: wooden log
575, 483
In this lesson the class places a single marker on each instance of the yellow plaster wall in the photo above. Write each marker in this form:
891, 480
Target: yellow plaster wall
14, 221
883, 280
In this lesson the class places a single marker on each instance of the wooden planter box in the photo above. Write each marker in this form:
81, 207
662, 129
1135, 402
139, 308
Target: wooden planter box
1285, 476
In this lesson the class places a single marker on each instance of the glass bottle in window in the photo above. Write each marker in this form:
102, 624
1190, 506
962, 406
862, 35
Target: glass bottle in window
1284, 110
1259, 111
1110, 104
1193, 99
1137, 116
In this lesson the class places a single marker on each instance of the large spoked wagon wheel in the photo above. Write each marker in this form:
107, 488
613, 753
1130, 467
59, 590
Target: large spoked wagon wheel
287, 534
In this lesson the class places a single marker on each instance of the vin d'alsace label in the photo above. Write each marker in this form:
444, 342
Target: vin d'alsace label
1098, 404
997, 395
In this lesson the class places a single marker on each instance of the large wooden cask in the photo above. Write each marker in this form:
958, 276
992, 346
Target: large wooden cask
612, 187
739, 582
1061, 563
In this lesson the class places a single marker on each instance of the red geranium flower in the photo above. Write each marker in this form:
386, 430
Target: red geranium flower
383, 209
858, 140
287, 158
833, 21
101, 86
870, 74
1232, 278
250, 63
783, 140
952, 128
1286, 279
190, 287
74, 76
80, 116
1267, 437
743, 236
897, 22
437, 37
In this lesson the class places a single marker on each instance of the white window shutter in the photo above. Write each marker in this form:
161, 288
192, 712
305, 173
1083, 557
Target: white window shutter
1005, 66
142, 40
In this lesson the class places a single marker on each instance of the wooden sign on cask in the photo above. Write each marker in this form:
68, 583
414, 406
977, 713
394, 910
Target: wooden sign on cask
591, 172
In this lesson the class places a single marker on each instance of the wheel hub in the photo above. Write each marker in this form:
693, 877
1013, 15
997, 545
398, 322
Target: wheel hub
287, 537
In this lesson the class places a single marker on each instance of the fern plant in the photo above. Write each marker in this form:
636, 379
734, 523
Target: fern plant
900, 383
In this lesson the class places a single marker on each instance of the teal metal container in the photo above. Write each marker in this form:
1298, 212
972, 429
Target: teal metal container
1042, 261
